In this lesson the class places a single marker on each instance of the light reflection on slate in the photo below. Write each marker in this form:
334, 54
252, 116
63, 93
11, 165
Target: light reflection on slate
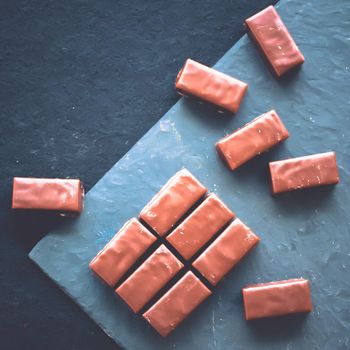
302, 233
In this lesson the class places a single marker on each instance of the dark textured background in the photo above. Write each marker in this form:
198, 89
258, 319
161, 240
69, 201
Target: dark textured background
80, 83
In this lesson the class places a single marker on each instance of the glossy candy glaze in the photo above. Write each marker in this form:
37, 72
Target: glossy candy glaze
256, 137
65, 195
303, 172
277, 298
202, 224
210, 85
226, 251
274, 40
175, 305
176, 197
149, 278
132, 240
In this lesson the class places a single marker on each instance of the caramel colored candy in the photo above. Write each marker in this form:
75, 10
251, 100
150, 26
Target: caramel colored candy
226, 251
201, 225
277, 298
65, 195
123, 250
303, 172
176, 197
254, 138
149, 278
175, 305
210, 85
274, 40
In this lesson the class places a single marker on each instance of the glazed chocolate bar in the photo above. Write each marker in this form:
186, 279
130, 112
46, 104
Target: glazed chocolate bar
176, 197
277, 298
149, 278
65, 195
111, 263
274, 40
210, 85
175, 305
201, 225
254, 138
303, 172
226, 251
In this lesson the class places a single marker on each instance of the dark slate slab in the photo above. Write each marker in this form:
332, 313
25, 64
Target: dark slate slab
303, 233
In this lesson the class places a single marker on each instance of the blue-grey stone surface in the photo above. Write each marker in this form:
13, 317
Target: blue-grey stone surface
302, 233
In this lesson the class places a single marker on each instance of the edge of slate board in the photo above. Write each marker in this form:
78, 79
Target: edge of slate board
302, 234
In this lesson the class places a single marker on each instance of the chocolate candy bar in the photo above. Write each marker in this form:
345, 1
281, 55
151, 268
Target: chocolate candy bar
149, 278
277, 298
65, 195
201, 225
303, 172
210, 85
176, 197
116, 258
226, 251
274, 40
254, 138
175, 305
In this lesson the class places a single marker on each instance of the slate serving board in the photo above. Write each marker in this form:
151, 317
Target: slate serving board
303, 233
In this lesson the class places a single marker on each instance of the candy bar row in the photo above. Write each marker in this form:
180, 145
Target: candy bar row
265, 132
66, 195
275, 43
188, 237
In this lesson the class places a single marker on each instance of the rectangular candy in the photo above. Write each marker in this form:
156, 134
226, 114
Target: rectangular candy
303, 172
65, 195
149, 278
277, 298
175, 305
176, 197
116, 258
254, 138
210, 85
274, 40
226, 251
201, 225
